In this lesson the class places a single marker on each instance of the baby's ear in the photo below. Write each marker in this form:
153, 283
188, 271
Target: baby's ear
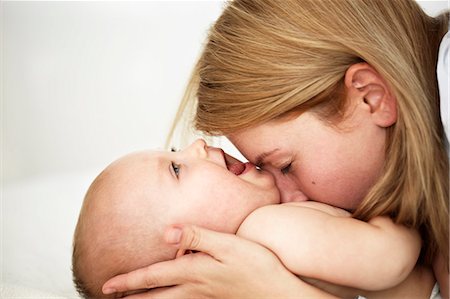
364, 84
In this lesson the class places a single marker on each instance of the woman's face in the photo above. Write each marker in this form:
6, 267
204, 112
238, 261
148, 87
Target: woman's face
202, 185
313, 161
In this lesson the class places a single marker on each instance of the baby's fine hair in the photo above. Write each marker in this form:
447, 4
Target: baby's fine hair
268, 59
85, 288
102, 250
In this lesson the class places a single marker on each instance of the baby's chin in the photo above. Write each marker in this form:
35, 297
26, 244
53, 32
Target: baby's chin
276, 196
272, 195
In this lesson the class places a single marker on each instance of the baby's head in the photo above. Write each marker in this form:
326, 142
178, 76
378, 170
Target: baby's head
131, 203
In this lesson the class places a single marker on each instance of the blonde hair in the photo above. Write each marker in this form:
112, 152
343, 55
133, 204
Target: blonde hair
265, 59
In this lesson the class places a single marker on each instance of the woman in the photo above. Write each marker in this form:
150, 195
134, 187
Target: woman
339, 100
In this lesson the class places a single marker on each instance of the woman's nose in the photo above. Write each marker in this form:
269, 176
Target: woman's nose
289, 188
292, 195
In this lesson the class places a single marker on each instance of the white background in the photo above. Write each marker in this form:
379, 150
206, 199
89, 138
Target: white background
83, 83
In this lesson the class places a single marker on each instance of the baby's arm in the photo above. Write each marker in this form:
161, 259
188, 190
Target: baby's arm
318, 241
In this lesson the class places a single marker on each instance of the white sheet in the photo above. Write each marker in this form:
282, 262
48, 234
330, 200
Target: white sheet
38, 218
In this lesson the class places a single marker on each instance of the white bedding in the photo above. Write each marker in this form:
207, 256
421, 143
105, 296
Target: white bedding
16, 291
38, 220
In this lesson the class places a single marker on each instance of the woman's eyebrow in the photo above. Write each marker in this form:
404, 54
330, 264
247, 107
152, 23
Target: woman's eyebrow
259, 161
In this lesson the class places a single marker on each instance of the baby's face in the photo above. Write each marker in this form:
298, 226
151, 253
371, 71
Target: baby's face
130, 204
199, 185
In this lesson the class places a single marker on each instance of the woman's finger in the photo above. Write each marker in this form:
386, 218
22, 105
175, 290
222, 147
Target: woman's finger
213, 248
161, 293
191, 237
154, 276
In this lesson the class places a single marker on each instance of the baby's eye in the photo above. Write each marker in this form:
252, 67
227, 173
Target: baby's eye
286, 169
176, 168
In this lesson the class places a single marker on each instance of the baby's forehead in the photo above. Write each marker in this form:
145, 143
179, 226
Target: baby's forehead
135, 158
132, 165
137, 172
130, 184
129, 191
148, 164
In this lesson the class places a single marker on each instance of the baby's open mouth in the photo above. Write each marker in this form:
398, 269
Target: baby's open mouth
234, 165
236, 168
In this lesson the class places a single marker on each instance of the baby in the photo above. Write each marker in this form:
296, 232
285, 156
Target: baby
131, 203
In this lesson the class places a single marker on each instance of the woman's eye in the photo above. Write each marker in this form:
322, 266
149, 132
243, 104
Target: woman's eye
176, 168
286, 169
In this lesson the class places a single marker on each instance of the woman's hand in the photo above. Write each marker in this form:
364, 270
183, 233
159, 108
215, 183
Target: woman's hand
224, 266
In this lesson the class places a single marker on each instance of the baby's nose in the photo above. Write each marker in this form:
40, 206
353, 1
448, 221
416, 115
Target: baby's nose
199, 146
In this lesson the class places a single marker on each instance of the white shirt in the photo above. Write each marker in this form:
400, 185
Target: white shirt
443, 77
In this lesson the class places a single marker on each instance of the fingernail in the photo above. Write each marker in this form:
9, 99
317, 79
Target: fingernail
108, 291
173, 236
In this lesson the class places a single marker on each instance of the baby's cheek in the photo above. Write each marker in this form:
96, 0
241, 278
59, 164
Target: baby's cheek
222, 212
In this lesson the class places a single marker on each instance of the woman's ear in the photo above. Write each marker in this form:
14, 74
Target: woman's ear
366, 86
